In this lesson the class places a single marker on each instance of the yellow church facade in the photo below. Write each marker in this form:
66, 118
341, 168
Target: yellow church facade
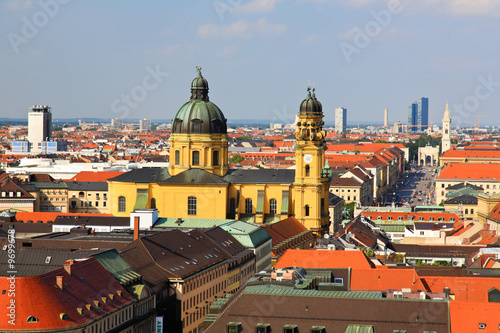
199, 184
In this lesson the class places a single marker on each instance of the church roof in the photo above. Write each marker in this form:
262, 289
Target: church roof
267, 176
195, 177
144, 175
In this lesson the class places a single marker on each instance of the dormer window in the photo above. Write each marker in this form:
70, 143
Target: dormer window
32, 319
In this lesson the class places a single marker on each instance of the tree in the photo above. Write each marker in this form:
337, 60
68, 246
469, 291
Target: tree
237, 158
59, 135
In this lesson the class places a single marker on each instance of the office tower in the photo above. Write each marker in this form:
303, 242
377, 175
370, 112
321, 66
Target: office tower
340, 120
144, 125
386, 116
39, 126
117, 123
418, 115
446, 140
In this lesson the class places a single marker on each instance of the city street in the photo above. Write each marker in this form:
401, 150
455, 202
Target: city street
416, 188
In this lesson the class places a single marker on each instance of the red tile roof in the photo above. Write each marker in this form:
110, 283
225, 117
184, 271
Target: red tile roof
470, 289
466, 316
323, 259
384, 278
39, 296
95, 176
470, 171
48, 216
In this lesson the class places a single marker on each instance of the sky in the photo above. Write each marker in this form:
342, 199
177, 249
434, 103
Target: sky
136, 59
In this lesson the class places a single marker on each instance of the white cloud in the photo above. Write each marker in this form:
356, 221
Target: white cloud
18, 5
240, 29
257, 6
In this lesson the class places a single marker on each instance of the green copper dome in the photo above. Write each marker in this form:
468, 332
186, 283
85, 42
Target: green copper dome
310, 105
199, 115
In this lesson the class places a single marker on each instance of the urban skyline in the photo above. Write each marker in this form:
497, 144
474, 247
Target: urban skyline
97, 67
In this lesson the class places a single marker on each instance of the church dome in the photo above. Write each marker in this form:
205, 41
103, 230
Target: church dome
199, 115
310, 105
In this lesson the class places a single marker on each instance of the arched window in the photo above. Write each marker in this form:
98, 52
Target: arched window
196, 157
215, 157
466, 211
472, 210
177, 157
191, 205
81, 195
273, 207
308, 171
122, 204
307, 210
153, 203
248, 206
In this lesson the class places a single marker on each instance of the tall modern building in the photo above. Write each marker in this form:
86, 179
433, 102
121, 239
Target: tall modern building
116, 123
39, 126
418, 115
144, 125
386, 117
340, 120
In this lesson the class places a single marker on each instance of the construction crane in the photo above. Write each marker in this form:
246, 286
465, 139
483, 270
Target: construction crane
473, 126
478, 117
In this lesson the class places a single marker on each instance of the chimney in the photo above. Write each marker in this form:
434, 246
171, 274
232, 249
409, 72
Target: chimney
59, 282
136, 227
68, 264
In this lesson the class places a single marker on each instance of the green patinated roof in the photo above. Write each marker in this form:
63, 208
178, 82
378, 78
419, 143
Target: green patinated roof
248, 234
270, 289
141, 200
391, 228
117, 266
192, 223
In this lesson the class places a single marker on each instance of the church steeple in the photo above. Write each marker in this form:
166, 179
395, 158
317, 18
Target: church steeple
446, 139
311, 174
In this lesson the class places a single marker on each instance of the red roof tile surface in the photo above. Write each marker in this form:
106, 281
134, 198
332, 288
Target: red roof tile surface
39, 296
323, 259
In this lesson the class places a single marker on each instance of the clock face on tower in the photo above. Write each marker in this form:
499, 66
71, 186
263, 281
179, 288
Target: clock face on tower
308, 158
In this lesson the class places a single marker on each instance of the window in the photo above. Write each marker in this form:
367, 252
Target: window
215, 157
466, 211
472, 210
307, 210
308, 171
273, 206
318, 329
323, 205
191, 205
354, 198
32, 319
233, 327
104, 204
196, 158
81, 195
122, 204
263, 328
177, 157
421, 233
290, 329
153, 203
232, 207
248, 206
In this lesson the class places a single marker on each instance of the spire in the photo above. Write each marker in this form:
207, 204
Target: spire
446, 115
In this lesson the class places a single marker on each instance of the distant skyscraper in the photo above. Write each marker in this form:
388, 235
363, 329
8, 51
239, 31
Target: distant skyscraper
386, 116
446, 140
144, 125
39, 126
418, 115
117, 123
340, 120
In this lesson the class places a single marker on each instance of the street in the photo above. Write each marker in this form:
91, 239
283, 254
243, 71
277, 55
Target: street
416, 188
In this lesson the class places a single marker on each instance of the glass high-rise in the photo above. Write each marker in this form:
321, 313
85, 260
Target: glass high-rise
418, 115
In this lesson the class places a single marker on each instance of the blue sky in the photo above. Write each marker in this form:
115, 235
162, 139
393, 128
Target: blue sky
136, 59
